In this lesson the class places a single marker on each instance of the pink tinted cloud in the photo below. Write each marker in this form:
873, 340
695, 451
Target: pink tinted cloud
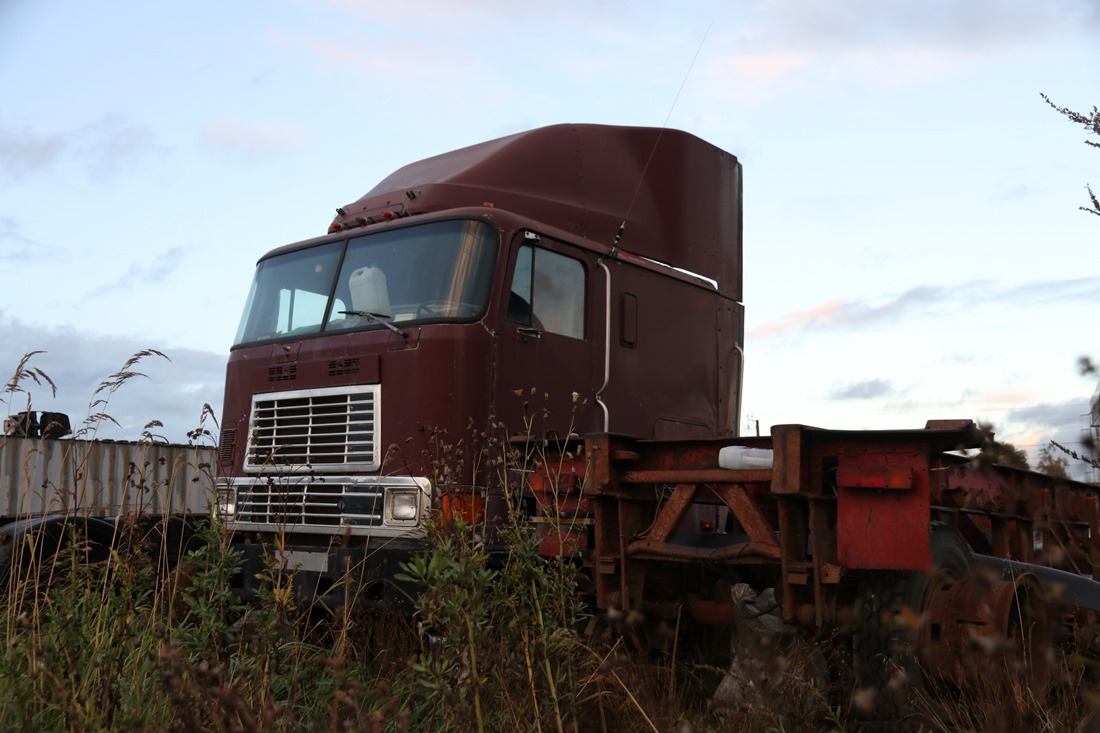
441, 13
756, 76
832, 312
1006, 397
252, 139
424, 64
785, 47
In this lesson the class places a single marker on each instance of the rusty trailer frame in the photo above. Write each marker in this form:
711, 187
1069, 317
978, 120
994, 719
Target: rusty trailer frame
834, 505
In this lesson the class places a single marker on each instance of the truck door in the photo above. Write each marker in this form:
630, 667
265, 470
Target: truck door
550, 353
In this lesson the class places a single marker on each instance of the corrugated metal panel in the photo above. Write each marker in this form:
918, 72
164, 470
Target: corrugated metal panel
39, 475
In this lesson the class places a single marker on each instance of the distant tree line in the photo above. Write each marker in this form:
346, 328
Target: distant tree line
1006, 454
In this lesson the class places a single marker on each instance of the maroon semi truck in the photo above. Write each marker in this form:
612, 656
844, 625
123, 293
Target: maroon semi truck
577, 288
569, 280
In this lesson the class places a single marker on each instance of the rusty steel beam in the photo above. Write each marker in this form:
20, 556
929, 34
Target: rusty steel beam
741, 551
672, 512
833, 502
632, 574
696, 476
746, 511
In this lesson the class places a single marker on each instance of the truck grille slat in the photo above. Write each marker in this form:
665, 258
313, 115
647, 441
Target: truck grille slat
326, 429
330, 505
306, 503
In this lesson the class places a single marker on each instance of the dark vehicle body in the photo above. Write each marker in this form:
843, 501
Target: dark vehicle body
578, 288
554, 283
573, 293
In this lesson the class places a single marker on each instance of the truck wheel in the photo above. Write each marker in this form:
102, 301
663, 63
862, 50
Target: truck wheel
52, 536
890, 602
7, 557
169, 540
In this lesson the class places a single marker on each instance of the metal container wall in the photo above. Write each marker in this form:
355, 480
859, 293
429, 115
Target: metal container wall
42, 475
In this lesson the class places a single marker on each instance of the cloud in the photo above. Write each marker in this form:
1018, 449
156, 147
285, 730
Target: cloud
28, 152
425, 66
103, 147
925, 298
106, 145
845, 313
1015, 192
755, 77
787, 46
1034, 426
483, 13
980, 24
865, 390
1064, 413
1083, 290
173, 391
144, 273
251, 140
755, 50
15, 246
995, 400
832, 312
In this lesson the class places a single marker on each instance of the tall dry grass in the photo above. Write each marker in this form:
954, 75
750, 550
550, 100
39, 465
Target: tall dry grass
116, 637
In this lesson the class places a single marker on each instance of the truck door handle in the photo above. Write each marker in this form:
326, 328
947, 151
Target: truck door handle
526, 332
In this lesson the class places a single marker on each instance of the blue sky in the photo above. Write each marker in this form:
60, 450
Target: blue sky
913, 246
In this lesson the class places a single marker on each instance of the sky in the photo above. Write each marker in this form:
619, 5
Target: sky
914, 247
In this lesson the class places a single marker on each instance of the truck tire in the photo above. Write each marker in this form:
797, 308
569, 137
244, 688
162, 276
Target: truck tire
169, 541
887, 673
52, 535
7, 557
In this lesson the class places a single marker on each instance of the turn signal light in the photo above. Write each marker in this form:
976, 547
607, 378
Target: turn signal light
470, 508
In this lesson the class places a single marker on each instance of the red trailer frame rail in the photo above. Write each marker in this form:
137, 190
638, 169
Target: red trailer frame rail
833, 505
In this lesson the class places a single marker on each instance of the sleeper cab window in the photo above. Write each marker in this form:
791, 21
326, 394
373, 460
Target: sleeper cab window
548, 292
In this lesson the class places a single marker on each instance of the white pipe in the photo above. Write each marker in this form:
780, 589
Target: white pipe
606, 348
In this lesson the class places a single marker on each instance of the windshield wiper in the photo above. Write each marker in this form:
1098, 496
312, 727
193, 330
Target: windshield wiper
377, 318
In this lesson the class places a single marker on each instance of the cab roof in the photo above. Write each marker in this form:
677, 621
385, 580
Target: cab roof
679, 196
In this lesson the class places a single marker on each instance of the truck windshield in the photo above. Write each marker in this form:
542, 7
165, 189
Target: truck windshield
438, 271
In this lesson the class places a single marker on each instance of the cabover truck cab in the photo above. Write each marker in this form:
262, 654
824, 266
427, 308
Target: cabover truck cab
553, 283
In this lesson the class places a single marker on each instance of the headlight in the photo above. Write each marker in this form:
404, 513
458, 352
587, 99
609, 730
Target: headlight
402, 506
227, 502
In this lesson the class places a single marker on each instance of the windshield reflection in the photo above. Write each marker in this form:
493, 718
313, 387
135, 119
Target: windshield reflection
438, 271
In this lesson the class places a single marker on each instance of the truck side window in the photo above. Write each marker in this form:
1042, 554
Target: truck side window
548, 292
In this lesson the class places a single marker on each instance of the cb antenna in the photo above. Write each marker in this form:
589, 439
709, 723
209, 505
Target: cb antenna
622, 227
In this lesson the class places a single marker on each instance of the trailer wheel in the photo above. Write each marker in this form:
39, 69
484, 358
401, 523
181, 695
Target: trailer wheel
169, 540
890, 602
7, 557
32, 545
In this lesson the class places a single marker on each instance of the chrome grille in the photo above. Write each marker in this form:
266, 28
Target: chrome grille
330, 505
325, 429
288, 502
